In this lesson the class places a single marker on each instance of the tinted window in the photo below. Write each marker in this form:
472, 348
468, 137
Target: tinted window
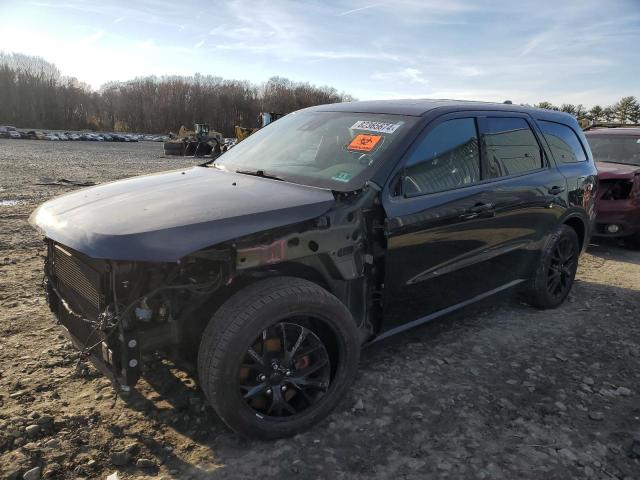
563, 141
510, 147
447, 157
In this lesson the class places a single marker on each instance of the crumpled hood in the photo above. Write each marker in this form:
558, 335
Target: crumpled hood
165, 216
610, 171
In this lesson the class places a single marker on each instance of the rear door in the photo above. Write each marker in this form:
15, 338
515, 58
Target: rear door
528, 191
475, 201
572, 160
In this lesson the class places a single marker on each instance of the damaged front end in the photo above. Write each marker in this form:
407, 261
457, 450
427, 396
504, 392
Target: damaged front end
114, 312
619, 205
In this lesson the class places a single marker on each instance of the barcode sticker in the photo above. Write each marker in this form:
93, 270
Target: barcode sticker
375, 126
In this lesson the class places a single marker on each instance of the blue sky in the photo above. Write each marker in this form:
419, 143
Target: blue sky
564, 51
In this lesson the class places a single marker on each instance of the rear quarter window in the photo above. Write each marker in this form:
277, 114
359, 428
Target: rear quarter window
563, 142
510, 147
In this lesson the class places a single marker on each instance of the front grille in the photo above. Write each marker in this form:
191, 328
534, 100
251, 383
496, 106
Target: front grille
78, 282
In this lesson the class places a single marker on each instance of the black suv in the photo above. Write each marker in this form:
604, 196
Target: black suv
334, 227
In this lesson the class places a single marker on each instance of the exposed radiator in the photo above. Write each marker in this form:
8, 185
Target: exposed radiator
79, 283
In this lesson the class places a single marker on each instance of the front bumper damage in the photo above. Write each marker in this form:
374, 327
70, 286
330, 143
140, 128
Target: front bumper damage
95, 345
80, 294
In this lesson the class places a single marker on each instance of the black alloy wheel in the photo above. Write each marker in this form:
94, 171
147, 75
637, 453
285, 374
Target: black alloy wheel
556, 269
285, 371
277, 357
562, 268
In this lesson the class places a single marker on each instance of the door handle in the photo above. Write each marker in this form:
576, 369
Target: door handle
481, 207
477, 209
555, 190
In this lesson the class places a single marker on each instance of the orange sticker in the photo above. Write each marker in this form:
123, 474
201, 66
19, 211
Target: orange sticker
364, 143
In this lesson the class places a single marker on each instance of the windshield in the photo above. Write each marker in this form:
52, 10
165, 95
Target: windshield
615, 148
337, 150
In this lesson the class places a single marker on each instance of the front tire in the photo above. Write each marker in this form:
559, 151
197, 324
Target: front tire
556, 269
277, 357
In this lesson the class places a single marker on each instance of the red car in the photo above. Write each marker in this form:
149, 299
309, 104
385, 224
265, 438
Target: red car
617, 155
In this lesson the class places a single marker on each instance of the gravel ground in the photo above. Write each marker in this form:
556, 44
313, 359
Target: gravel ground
500, 390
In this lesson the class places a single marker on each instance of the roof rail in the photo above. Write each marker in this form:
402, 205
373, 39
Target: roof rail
610, 125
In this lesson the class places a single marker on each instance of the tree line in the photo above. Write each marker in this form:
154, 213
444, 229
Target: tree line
34, 94
626, 110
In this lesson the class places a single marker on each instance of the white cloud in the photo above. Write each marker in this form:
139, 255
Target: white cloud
579, 50
355, 10
406, 75
469, 71
350, 55
93, 38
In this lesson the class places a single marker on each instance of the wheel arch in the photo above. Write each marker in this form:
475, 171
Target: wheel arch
304, 271
579, 226
195, 325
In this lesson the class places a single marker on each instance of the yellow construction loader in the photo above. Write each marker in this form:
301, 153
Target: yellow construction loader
265, 118
194, 143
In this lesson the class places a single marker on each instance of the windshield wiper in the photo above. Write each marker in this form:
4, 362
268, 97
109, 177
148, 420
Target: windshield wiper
260, 173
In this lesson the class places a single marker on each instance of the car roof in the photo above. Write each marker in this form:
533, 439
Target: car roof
421, 107
614, 131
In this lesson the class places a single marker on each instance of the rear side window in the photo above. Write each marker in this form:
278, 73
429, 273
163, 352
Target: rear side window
510, 147
446, 158
563, 141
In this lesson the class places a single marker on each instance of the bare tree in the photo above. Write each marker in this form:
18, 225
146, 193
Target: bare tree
33, 94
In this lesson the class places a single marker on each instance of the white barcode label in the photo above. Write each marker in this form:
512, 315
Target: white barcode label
375, 126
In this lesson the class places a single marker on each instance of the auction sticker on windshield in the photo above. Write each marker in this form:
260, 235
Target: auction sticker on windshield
342, 177
375, 126
364, 143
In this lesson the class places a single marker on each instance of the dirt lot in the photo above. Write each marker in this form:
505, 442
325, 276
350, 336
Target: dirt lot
498, 391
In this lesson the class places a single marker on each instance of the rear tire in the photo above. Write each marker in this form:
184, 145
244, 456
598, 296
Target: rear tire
556, 269
245, 369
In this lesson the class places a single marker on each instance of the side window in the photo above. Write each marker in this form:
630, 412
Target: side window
563, 141
510, 147
447, 157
